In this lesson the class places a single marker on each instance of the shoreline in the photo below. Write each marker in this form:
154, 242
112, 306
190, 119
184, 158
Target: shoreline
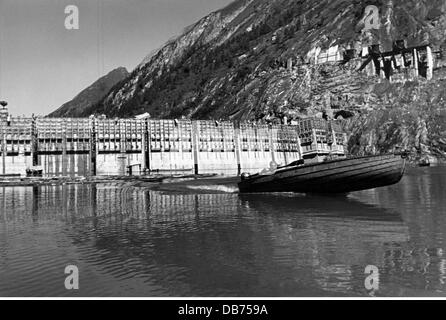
155, 179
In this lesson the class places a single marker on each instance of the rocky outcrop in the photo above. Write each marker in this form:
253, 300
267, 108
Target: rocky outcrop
414, 119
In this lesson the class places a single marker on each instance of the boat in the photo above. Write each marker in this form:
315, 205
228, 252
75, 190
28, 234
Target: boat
35, 171
424, 162
338, 176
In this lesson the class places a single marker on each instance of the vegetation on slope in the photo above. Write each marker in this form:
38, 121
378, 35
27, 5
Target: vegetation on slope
232, 65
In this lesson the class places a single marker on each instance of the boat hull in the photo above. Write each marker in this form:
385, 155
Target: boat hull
338, 176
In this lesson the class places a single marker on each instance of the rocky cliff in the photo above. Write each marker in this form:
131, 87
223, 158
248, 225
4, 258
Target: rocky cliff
91, 95
260, 60
415, 120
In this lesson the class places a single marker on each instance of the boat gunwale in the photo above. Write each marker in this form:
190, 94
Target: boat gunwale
385, 167
257, 176
383, 171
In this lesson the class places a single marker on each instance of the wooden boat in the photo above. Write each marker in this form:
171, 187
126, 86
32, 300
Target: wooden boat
35, 171
335, 176
425, 162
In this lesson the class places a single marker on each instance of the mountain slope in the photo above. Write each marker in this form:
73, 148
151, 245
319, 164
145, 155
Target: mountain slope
218, 65
91, 95
232, 64
415, 121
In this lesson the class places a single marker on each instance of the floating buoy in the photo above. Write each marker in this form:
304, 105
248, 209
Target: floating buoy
245, 176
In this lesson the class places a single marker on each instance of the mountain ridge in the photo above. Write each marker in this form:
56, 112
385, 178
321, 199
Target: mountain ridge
91, 95
234, 64
214, 32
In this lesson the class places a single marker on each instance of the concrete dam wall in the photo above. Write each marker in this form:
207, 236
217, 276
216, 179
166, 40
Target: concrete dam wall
62, 147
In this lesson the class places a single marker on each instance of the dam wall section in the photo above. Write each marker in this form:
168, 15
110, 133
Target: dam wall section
85, 147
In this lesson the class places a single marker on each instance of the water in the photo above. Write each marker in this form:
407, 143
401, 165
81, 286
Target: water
207, 240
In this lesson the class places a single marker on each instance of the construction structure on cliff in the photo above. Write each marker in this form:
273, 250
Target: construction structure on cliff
400, 64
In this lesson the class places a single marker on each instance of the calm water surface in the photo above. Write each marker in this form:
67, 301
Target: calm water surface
210, 241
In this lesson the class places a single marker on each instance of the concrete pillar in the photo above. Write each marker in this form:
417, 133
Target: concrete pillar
3, 144
299, 144
3, 149
93, 147
238, 149
415, 61
334, 144
145, 148
285, 156
196, 145
75, 164
4, 114
299, 148
430, 63
382, 74
34, 143
180, 143
315, 146
64, 149
377, 67
271, 144
122, 148
149, 145
344, 145
398, 61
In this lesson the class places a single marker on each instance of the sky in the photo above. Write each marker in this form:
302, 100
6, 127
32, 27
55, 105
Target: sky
43, 64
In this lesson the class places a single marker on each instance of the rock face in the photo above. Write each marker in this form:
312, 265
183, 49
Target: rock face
414, 121
91, 95
261, 60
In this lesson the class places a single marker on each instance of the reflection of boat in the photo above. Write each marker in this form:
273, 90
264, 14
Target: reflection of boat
344, 216
336, 176
319, 205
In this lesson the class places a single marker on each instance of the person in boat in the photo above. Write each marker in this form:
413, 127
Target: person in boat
273, 166
271, 170
329, 157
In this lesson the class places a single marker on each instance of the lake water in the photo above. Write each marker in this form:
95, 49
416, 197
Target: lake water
208, 240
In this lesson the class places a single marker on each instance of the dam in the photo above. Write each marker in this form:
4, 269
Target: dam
96, 146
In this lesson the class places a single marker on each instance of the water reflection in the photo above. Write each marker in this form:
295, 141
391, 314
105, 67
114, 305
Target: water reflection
337, 236
419, 264
137, 242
